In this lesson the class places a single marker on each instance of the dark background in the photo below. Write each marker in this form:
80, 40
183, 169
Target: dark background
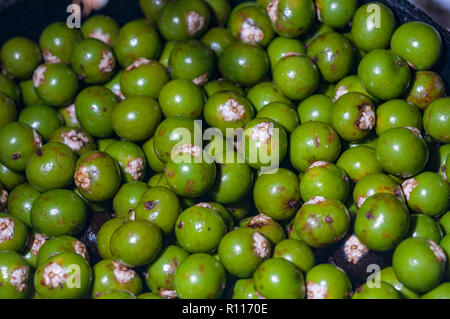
29, 17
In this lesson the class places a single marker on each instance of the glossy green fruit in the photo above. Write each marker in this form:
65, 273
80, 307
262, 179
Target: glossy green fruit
105, 233
58, 212
264, 144
297, 253
359, 162
436, 120
444, 221
426, 87
312, 142
112, 275
326, 180
200, 276
114, 85
267, 226
336, 13
372, 27
291, 18
424, 226
244, 63
316, 108
10, 88
136, 118
21, 200
136, 243
281, 113
19, 57
161, 273
57, 245
97, 176
9, 178
375, 184
427, 193
265, 93
353, 116
101, 27
388, 276
384, 291
242, 250
190, 172
144, 77
277, 195
218, 208
418, 43
160, 206
15, 282
181, 98
296, 77
93, 108
281, 47
234, 179
168, 134
42, 118
349, 84
200, 229
440, 292
69, 116
250, 23
382, 222
93, 61
14, 233
136, 39
166, 52
8, 110
384, 74
184, 19
327, 281
322, 222
192, 60
226, 110
76, 138
419, 264
395, 145
57, 42
68, 272
278, 278
152, 8
19, 142
56, 84
153, 160
221, 85
52, 166
245, 289
397, 113
218, 39
333, 54
131, 159
220, 11
127, 199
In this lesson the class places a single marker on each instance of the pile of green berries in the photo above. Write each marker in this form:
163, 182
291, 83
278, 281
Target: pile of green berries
102, 196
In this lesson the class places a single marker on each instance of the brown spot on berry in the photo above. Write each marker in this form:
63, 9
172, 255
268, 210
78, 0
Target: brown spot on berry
328, 219
369, 215
292, 203
149, 204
